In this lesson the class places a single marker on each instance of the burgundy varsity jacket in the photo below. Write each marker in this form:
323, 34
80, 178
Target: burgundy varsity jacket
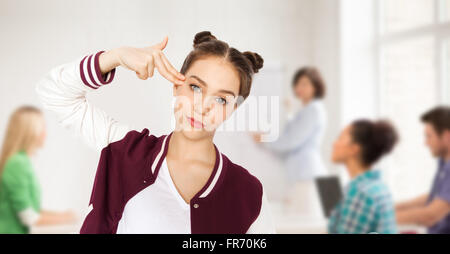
128, 166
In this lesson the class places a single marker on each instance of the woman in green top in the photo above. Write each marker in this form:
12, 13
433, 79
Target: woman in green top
19, 189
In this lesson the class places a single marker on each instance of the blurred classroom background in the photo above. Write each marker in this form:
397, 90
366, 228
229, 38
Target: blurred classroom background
386, 58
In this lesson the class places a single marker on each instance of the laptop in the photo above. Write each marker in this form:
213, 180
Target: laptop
330, 192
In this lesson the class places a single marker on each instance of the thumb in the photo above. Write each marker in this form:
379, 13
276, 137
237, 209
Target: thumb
162, 44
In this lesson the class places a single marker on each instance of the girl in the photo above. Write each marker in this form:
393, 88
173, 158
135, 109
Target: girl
367, 204
175, 183
19, 189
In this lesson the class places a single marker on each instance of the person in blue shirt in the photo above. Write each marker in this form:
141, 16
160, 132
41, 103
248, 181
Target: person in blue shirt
432, 209
299, 144
366, 206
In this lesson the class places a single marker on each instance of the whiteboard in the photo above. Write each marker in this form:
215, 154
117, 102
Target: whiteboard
240, 147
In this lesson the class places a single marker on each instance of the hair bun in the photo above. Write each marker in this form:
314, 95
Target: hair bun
385, 136
203, 37
256, 60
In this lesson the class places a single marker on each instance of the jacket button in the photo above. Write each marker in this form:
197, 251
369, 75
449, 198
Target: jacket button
196, 205
145, 181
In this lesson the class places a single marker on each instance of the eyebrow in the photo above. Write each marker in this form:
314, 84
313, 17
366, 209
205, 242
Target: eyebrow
204, 83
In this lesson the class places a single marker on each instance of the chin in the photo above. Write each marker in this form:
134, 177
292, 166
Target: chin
435, 153
196, 134
336, 160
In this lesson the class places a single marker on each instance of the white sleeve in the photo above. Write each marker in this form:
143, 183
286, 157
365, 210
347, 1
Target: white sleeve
29, 216
63, 90
264, 223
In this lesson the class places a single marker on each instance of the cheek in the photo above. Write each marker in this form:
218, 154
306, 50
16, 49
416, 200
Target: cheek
41, 137
182, 108
340, 149
310, 90
299, 90
184, 101
336, 150
220, 114
432, 142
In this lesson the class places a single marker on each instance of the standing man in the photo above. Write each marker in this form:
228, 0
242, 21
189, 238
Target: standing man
433, 209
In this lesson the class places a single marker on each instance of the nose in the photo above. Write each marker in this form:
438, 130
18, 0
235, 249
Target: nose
203, 106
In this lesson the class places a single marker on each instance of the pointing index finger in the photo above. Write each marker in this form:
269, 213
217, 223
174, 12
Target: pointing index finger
171, 68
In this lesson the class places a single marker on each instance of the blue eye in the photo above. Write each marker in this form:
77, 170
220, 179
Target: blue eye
195, 88
221, 101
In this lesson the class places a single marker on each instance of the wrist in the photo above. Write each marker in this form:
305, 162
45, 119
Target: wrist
109, 60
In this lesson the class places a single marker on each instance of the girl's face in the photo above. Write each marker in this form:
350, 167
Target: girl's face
304, 89
42, 134
344, 148
207, 98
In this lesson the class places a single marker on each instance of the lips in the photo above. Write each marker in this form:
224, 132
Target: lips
194, 123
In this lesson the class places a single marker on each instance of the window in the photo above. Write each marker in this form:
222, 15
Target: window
401, 15
445, 10
413, 45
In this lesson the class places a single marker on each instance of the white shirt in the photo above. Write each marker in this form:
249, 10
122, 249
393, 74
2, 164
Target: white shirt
158, 209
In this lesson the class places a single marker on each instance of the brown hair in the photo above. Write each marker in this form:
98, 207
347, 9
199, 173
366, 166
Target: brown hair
314, 76
375, 139
439, 118
246, 63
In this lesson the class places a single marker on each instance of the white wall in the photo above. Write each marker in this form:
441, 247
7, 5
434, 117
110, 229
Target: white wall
326, 56
38, 35
358, 62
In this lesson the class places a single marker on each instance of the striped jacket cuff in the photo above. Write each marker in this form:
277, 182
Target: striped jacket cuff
90, 72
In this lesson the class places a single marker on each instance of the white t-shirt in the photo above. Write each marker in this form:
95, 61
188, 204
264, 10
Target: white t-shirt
158, 209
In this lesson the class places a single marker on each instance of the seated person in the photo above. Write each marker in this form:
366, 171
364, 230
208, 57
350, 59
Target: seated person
366, 206
432, 210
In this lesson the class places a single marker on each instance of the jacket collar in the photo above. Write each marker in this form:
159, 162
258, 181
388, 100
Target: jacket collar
213, 179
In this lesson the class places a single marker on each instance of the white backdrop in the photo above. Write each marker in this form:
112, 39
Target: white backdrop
38, 35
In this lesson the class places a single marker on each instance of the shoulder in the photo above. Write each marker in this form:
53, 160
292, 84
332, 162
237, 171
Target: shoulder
134, 142
134, 152
375, 191
19, 161
240, 179
318, 108
16, 167
314, 110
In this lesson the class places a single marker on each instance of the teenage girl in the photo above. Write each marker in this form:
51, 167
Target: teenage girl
175, 183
